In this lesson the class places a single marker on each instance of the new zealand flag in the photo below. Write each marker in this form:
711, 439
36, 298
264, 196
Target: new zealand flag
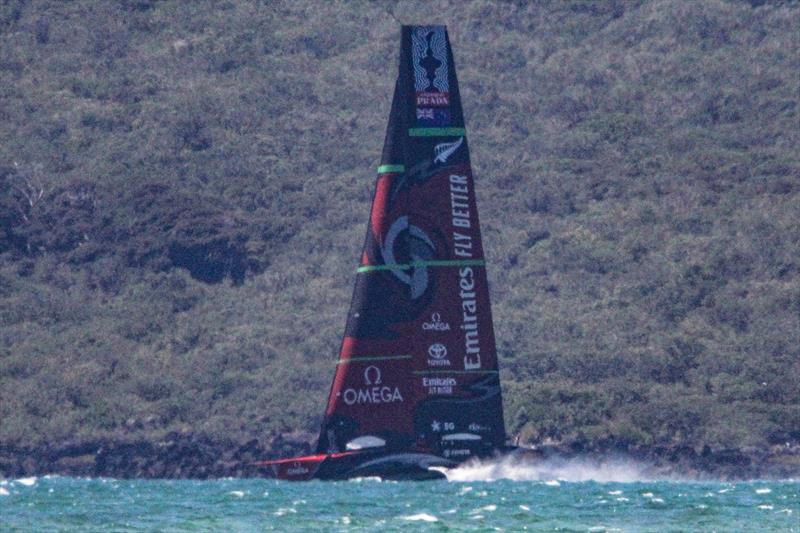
433, 116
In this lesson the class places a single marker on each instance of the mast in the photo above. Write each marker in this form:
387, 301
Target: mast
418, 365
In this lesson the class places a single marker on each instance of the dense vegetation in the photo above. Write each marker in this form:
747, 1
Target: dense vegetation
184, 188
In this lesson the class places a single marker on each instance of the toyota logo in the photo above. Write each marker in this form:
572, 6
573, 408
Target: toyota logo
437, 351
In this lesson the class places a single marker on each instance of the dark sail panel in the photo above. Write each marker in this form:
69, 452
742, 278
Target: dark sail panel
418, 366
370, 395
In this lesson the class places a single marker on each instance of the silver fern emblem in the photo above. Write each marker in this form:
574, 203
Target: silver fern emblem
445, 150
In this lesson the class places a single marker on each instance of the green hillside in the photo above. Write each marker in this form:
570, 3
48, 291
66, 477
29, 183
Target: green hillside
184, 188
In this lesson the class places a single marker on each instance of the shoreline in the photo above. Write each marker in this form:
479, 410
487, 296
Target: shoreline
189, 456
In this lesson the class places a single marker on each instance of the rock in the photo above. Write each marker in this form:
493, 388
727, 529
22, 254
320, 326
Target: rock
81, 465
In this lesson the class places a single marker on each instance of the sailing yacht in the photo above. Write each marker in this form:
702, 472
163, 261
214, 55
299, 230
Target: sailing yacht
416, 387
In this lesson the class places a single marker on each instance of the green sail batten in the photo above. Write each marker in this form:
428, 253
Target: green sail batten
376, 268
385, 169
437, 132
435, 263
372, 358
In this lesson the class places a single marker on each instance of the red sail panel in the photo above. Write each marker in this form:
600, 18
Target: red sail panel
418, 365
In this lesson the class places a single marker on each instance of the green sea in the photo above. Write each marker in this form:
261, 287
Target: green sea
566, 498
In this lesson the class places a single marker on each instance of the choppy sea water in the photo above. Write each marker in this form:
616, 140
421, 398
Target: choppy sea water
555, 497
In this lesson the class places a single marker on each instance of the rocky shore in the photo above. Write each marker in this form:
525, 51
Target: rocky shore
196, 456
174, 456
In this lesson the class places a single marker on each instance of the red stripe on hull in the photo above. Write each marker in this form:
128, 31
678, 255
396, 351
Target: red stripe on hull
300, 468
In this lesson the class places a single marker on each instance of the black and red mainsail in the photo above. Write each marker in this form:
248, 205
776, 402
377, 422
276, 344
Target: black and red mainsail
418, 365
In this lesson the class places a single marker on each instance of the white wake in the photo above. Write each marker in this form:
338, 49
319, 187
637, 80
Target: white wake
551, 470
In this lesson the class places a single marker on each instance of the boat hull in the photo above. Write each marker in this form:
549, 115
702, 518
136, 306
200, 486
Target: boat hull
353, 464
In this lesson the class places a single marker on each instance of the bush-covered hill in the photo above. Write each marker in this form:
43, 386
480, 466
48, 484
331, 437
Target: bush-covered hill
184, 188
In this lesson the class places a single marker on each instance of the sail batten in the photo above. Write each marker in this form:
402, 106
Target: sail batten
391, 169
437, 132
418, 362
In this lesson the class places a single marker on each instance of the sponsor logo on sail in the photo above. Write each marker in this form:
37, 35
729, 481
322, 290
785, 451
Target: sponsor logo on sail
457, 453
297, 469
462, 245
423, 247
429, 59
436, 324
438, 385
372, 375
374, 391
445, 150
437, 353
433, 99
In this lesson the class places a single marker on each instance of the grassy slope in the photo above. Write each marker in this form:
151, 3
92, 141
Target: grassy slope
637, 178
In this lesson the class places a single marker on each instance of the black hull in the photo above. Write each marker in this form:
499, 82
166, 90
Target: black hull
391, 466
396, 466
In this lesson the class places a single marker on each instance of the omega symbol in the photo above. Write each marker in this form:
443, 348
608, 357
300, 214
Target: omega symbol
372, 375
